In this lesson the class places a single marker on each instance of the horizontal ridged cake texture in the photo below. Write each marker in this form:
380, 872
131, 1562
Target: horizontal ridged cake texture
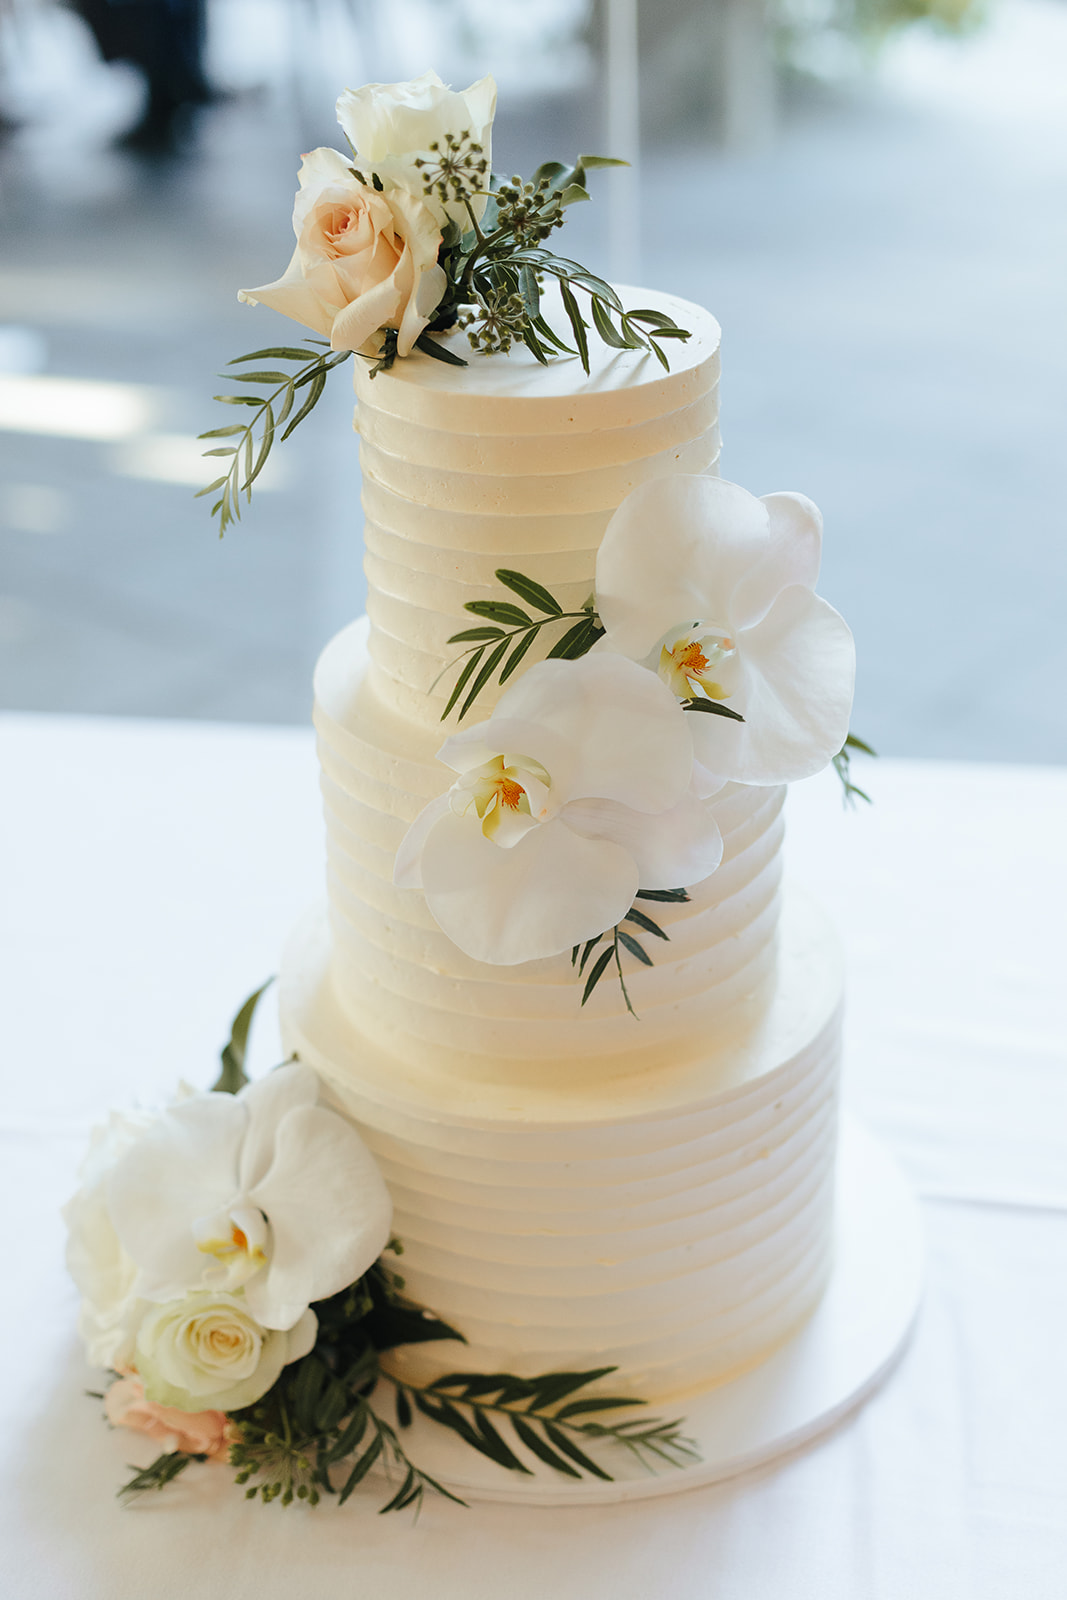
572, 1185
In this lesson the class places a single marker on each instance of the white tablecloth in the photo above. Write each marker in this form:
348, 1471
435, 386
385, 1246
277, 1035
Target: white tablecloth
150, 874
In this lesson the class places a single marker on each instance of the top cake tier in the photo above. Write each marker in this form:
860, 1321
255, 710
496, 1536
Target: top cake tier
508, 463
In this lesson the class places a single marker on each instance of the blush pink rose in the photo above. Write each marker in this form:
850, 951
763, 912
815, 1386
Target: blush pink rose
199, 1433
364, 260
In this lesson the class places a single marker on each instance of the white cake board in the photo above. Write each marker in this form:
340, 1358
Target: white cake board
827, 1369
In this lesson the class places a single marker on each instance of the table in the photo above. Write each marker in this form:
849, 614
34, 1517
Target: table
150, 873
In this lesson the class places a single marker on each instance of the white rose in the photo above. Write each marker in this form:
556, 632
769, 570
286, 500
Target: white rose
207, 1350
363, 261
392, 125
100, 1267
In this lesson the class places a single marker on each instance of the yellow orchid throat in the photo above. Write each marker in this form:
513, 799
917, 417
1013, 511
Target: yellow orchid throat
692, 662
509, 795
236, 1245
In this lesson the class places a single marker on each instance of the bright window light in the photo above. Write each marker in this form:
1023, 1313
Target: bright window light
179, 458
74, 408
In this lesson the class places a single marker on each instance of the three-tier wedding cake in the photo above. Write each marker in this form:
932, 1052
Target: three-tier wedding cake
557, 1040
575, 1186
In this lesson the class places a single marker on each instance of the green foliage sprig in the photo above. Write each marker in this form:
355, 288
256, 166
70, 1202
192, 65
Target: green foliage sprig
545, 1418
233, 1077
501, 646
843, 767
272, 413
495, 269
621, 938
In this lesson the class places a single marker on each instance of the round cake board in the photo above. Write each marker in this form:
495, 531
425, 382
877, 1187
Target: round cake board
828, 1368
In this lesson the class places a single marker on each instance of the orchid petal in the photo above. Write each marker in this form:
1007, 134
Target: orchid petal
798, 667
329, 1211
706, 784
267, 1101
183, 1166
548, 892
672, 849
792, 556
674, 552
407, 868
302, 1336
599, 726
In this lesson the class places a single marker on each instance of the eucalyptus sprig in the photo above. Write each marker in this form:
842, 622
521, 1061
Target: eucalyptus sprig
621, 937
272, 412
501, 646
498, 265
842, 763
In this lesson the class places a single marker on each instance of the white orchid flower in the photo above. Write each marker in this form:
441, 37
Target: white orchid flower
390, 126
712, 589
264, 1191
576, 793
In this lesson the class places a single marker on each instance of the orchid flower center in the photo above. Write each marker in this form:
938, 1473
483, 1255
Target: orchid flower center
699, 660
239, 1238
510, 794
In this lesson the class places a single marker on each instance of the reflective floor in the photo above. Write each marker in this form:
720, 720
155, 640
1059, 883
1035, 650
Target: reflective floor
888, 275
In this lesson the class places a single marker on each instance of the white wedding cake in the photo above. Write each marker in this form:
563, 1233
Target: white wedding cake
575, 1186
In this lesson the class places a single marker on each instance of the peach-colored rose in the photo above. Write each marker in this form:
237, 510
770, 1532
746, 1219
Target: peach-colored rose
364, 260
200, 1433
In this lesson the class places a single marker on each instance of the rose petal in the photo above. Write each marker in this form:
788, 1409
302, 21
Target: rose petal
319, 169
549, 892
293, 297
357, 323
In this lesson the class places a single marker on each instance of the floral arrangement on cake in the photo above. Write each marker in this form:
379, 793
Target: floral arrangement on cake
703, 657
230, 1250
402, 239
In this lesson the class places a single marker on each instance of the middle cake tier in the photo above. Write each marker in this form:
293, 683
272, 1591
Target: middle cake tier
414, 995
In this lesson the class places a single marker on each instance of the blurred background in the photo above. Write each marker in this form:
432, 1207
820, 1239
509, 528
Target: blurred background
869, 194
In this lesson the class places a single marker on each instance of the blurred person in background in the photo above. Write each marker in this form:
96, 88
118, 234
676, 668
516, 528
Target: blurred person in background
165, 40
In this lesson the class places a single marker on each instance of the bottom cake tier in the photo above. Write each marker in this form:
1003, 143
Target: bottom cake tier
675, 1225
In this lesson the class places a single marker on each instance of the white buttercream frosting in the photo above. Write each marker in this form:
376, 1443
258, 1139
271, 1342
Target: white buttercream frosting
573, 1187
509, 463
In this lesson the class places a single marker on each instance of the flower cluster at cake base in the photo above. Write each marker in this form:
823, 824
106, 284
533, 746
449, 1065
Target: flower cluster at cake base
704, 657
231, 1252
